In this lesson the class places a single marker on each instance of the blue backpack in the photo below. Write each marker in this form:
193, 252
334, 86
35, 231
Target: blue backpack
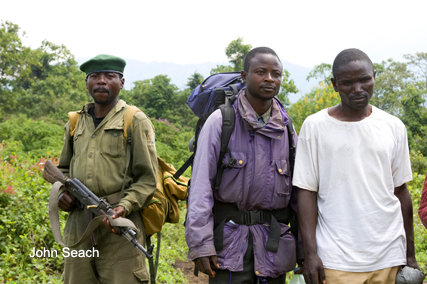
211, 93
217, 91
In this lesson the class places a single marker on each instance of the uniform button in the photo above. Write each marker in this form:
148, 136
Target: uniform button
93, 136
240, 162
115, 134
257, 272
278, 136
280, 170
234, 267
88, 176
90, 155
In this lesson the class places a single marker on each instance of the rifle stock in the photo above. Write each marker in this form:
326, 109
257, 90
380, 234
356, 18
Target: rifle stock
85, 198
52, 174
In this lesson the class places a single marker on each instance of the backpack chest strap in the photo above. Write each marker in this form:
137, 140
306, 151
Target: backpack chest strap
248, 218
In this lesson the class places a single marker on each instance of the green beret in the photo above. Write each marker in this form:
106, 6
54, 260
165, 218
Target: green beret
104, 63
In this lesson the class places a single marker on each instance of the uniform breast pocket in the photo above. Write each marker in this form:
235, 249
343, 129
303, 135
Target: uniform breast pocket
234, 177
282, 179
78, 144
113, 142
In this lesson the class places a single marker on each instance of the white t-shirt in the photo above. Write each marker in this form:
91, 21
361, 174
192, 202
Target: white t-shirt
354, 167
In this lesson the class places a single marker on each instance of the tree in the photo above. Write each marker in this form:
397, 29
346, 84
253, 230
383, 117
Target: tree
236, 52
13, 55
323, 96
323, 72
156, 97
221, 69
13, 63
194, 80
286, 87
419, 60
390, 85
38, 82
58, 85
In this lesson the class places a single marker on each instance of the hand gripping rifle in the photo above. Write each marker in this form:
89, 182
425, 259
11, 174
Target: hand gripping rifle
86, 199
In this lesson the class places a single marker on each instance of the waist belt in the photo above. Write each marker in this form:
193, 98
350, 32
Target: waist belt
113, 198
224, 212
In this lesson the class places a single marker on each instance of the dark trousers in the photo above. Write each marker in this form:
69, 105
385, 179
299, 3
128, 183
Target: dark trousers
247, 276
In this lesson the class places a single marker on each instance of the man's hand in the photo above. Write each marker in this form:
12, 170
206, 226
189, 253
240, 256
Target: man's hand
119, 212
300, 268
205, 264
313, 270
66, 202
402, 193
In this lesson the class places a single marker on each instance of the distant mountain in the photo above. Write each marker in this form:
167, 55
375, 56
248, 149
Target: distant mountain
179, 73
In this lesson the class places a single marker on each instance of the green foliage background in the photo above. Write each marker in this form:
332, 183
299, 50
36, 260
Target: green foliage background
38, 87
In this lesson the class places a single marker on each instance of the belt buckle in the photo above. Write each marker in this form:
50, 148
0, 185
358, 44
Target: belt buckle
252, 217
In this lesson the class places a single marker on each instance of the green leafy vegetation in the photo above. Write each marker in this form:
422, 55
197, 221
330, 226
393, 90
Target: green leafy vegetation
38, 87
173, 247
24, 221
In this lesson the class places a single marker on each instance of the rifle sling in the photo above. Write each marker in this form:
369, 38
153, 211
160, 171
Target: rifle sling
56, 229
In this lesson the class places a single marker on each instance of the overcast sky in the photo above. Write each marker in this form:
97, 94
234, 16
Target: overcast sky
302, 32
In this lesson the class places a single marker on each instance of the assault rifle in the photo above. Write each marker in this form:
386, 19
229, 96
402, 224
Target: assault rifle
86, 199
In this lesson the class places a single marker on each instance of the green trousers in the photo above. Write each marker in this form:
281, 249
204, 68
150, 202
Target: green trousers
118, 261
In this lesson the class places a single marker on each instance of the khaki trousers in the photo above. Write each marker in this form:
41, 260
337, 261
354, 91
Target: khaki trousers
383, 276
118, 262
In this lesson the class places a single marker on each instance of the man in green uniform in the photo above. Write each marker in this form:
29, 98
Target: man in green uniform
96, 155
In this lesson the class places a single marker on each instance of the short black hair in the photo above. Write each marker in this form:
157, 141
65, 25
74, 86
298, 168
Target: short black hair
349, 55
251, 54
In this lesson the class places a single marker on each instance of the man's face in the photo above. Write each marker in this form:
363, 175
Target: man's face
355, 84
264, 76
104, 87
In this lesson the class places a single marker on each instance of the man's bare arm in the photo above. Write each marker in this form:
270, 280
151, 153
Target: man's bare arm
402, 193
307, 221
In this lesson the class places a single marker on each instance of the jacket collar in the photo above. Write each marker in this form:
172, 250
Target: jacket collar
274, 124
120, 104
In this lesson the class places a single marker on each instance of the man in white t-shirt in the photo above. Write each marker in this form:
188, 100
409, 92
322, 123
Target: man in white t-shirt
352, 164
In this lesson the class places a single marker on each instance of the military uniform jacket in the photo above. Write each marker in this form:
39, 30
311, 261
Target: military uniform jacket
97, 157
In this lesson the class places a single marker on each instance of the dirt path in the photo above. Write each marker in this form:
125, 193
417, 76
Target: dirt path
187, 268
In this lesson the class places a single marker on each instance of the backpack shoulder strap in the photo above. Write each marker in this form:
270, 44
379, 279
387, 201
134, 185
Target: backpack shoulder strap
74, 119
228, 122
128, 116
290, 128
127, 133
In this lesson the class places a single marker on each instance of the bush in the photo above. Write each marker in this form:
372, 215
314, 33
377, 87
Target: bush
24, 223
415, 187
37, 137
418, 162
173, 247
172, 143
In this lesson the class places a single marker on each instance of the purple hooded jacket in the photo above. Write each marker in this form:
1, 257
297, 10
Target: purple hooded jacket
260, 180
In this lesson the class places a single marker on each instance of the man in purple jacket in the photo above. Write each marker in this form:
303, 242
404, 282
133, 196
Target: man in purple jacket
239, 233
